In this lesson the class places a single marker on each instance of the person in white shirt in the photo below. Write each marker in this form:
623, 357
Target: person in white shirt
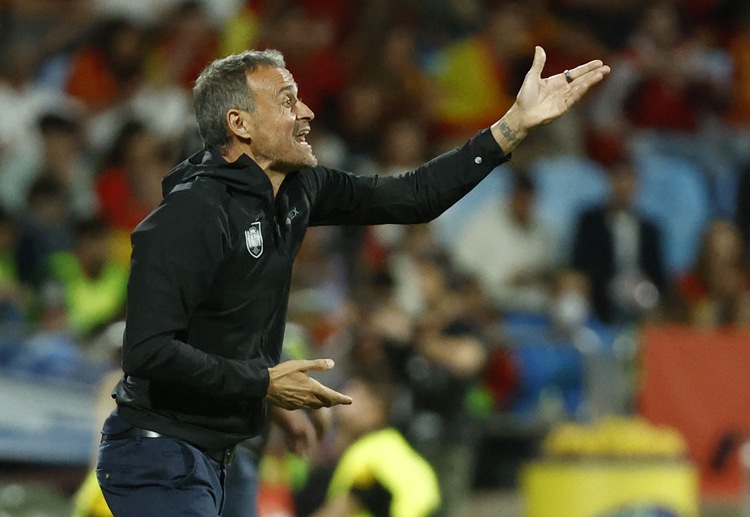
510, 252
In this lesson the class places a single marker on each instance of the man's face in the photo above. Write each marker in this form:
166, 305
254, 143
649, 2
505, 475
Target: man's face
280, 122
623, 182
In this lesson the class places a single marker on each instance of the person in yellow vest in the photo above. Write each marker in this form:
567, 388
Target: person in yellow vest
379, 474
93, 285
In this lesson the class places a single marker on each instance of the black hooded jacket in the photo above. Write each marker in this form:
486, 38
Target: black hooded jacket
210, 275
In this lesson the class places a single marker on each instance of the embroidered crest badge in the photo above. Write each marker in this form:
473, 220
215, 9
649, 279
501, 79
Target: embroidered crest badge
254, 240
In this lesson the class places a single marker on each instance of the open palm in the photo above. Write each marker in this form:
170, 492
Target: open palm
541, 100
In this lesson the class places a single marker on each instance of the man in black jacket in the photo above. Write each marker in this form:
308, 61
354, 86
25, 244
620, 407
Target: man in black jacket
211, 267
620, 251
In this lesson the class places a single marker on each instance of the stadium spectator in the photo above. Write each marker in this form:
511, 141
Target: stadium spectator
188, 41
92, 284
716, 291
671, 86
509, 250
620, 250
438, 348
396, 66
129, 186
105, 72
46, 227
378, 472
309, 45
476, 76
62, 156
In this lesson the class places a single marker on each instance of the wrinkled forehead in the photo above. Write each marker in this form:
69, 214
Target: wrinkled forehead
271, 80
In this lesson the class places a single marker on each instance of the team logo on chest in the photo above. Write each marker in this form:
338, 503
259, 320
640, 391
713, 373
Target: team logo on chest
254, 240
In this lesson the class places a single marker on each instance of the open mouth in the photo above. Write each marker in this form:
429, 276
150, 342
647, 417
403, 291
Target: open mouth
301, 137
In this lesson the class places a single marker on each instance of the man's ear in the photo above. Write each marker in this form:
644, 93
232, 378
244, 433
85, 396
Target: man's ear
238, 123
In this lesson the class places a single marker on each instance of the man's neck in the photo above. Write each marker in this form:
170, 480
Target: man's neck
233, 151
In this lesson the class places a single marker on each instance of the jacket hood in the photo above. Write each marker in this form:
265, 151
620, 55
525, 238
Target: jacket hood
242, 174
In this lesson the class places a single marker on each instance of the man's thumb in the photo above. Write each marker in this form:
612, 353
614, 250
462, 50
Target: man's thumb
540, 57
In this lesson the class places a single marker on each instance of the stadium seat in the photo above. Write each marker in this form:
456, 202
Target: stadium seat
452, 221
674, 193
566, 185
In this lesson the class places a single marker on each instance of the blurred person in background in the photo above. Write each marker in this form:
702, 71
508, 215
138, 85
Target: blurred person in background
394, 62
612, 21
377, 472
308, 41
211, 265
569, 41
439, 354
716, 291
47, 27
188, 41
24, 101
13, 294
362, 115
92, 285
62, 157
672, 85
431, 328
620, 250
476, 77
663, 70
509, 250
107, 70
403, 145
46, 227
442, 21
128, 187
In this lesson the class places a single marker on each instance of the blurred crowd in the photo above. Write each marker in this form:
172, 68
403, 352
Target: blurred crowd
629, 210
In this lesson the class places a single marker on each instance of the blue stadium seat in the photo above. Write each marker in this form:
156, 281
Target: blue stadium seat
452, 221
567, 185
674, 193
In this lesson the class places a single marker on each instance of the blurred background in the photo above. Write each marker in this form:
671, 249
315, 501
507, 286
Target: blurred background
574, 333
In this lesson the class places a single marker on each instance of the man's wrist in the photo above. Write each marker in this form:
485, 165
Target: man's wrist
509, 130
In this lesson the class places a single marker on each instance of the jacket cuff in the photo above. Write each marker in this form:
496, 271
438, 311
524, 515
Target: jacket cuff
487, 150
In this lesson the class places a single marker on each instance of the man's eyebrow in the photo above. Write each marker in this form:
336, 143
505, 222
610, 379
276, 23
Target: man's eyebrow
289, 87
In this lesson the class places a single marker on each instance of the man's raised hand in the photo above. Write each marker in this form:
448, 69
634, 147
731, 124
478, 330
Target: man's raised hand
290, 387
541, 100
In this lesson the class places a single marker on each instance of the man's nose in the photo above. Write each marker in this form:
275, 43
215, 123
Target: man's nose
304, 112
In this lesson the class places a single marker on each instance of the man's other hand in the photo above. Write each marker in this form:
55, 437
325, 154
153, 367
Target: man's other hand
290, 387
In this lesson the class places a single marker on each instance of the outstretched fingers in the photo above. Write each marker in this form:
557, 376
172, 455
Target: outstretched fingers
329, 397
325, 395
306, 365
584, 70
582, 84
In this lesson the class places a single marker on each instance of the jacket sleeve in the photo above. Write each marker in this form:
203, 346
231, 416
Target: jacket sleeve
413, 197
177, 251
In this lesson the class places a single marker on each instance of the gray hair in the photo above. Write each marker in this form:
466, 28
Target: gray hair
222, 86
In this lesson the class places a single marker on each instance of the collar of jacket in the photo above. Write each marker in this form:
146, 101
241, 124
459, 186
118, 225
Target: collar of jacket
242, 174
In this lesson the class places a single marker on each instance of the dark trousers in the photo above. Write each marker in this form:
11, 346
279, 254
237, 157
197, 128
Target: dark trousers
157, 477
241, 485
